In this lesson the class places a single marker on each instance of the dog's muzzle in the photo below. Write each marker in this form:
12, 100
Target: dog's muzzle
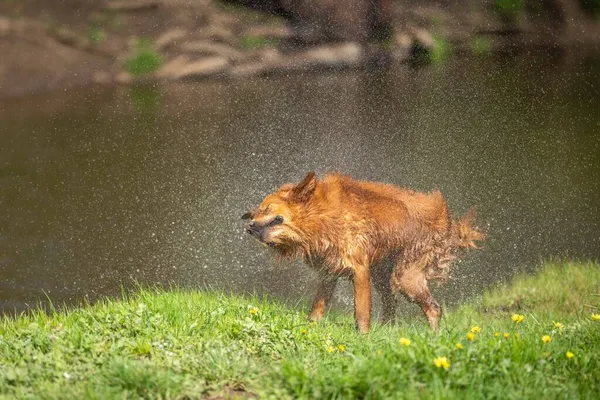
256, 229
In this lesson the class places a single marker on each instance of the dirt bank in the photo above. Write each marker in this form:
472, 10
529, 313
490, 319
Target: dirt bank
76, 42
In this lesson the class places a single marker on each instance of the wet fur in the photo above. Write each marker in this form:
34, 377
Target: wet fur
397, 238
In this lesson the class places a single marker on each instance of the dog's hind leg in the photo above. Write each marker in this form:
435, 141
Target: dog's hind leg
323, 296
412, 283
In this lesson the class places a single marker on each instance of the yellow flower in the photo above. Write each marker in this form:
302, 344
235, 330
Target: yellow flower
253, 311
496, 334
405, 342
441, 362
568, 354
506, 335
459, 346
518, 318
475, 329
330, 349
304, 331
341, 348
546, 339
596, 317
379, 352
471, 336
558, 325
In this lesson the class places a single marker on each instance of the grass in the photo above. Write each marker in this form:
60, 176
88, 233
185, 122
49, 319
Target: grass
183, 344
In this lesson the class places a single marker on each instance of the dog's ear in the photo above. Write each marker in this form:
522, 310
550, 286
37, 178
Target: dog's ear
248, 215
302, 191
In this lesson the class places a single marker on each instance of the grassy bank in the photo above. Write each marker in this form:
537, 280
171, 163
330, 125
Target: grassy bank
200, 345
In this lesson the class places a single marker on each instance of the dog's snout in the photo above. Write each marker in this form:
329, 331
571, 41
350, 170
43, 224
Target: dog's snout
252, 228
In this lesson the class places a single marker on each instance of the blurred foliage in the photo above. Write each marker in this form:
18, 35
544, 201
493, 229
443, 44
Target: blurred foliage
145, 59
442, 49
509, 8
95, 35
592, 6
481, 45
257, 42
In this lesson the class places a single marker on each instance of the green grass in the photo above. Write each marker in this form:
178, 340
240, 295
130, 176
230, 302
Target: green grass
183, 344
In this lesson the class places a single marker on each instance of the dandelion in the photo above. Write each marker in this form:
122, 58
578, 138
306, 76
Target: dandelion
471, 336
405, 342
441, 362
568, 354
303, 331
459, 346
558, 325
253, 311
546, 339
341, 348
475, 329
518, 318
496, 334
596, 317
330, 349
379, 352
506, 335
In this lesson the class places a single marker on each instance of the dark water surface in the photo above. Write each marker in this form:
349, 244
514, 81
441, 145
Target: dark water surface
104, 187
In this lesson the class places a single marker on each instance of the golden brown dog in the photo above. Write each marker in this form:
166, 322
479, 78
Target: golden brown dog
397, 237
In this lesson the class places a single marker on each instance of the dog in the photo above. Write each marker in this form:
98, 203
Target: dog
397, 238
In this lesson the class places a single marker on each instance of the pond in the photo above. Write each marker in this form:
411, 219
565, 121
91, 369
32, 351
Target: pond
104, 188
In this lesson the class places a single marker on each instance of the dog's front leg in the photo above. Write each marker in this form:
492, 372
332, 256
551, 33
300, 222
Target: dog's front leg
362, 299
324, 294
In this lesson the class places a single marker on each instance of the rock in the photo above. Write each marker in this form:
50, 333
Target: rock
173, 68
4, 26
224, 19
70, 38
263, 61
403, 40
219, 34
210, 48
131, 5
335, 56
423, 41
169, 38
102, 77
269, 31
403, 45
124, 78
346, 55
203, 68
268, 55
249, 69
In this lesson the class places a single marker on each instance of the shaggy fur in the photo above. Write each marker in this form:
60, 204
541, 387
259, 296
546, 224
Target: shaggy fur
398, 238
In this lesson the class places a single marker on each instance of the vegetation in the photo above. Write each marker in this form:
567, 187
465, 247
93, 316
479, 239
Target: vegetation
251, 42
442, 49
481, 45
145, 59
536, 338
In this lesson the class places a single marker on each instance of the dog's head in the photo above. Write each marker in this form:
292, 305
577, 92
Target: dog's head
275, 221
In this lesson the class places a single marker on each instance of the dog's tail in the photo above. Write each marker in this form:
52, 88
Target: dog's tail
464, 234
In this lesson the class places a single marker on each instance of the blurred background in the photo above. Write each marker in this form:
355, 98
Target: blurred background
135, 133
